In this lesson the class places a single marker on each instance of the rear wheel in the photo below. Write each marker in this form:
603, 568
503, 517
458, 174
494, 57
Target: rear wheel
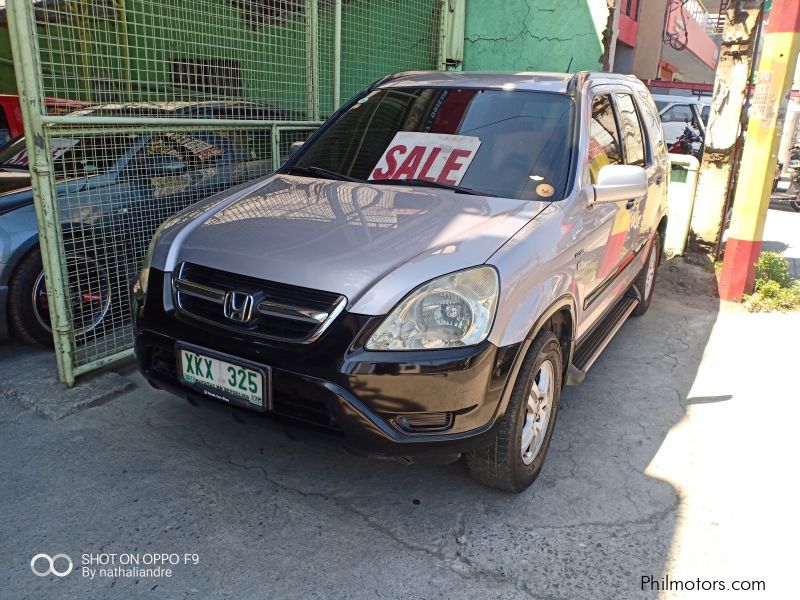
795, 204
28, 306
515, 459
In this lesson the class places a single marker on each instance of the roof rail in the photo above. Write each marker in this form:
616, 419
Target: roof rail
392, 77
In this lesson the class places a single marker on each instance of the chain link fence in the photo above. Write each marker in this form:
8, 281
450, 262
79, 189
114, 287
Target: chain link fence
178, 100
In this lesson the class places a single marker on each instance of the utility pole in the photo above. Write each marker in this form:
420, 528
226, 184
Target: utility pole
760, 157
722, 133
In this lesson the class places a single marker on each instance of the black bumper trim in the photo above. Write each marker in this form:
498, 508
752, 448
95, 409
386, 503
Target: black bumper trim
336, 387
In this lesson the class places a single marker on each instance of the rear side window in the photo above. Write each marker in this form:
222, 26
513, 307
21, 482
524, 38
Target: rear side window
604, 146
632, 135
654, 131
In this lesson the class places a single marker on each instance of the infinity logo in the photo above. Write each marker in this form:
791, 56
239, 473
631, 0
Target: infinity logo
51, 562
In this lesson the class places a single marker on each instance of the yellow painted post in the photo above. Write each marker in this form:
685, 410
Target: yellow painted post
760, 157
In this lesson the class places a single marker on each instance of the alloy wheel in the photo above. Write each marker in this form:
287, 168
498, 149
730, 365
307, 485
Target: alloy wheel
538, 410
89, 296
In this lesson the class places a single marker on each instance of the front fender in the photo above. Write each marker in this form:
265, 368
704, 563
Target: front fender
537, 277
18, 235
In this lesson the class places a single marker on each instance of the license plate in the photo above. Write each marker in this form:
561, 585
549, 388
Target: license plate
228, 381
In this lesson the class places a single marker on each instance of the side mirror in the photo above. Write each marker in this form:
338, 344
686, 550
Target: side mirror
295, 147
620, 182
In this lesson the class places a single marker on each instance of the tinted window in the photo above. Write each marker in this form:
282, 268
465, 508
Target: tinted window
679, 113
604, 146
632, 136
705, 111
525, 137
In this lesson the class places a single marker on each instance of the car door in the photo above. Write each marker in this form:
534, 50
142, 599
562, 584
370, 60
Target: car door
657, 163
606, 244
637, 151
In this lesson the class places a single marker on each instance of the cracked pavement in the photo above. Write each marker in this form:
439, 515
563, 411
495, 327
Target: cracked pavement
652, 469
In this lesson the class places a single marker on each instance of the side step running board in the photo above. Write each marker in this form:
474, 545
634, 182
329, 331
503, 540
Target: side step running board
602, 333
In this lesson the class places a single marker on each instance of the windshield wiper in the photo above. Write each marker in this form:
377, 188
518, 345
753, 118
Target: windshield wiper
320, 172
435, 184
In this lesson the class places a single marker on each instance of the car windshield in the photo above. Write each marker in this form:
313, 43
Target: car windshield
513, 144
73, 157
661, 105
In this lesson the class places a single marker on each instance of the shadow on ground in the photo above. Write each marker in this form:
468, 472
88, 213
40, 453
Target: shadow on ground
268, 517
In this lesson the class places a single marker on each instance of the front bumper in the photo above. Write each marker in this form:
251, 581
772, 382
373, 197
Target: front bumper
336, 387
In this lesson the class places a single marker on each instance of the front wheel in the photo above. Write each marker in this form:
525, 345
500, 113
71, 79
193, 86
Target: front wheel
515, 459
28, 307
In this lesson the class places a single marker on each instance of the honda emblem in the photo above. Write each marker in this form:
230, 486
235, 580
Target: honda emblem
238, 306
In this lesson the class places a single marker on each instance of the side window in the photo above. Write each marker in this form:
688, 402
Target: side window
632, 136
604, 146
655, 132
679, 113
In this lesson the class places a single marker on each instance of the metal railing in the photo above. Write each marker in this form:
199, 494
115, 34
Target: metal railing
180, 99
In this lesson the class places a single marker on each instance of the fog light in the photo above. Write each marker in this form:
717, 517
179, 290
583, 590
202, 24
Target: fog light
424, 422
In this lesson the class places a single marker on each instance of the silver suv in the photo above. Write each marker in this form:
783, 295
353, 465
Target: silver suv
425, 273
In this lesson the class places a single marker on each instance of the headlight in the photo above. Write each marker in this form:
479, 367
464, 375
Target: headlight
451, 311
139, 287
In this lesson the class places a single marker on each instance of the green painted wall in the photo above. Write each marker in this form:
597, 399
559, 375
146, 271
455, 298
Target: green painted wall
8, 84
270, 49
534, 35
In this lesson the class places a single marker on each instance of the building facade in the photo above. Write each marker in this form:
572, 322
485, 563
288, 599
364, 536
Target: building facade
669, 40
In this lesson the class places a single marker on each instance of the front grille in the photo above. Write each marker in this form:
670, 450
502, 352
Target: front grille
263, 308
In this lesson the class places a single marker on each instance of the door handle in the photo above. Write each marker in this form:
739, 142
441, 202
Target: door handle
659, 179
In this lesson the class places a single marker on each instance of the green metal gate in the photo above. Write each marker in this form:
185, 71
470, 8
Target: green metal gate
176, 100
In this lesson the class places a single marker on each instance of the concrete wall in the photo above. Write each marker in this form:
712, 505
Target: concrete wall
648, 43
535, 35
623, 59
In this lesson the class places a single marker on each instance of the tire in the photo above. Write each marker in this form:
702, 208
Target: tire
26, 324
505, 464
650, 266
28, 314
795, 204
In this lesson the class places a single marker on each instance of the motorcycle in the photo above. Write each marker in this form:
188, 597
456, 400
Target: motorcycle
685, 144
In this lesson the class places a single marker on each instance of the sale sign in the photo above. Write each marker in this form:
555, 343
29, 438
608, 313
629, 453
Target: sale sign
428, 156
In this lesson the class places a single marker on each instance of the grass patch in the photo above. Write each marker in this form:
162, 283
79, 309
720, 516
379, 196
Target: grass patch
775, 288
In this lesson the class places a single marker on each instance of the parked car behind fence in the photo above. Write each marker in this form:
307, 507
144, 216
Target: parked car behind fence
114, 189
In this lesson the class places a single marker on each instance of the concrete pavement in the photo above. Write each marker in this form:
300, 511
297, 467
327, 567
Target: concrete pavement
676, 456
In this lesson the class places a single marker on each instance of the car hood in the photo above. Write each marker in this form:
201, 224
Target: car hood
344, 237
12, 197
